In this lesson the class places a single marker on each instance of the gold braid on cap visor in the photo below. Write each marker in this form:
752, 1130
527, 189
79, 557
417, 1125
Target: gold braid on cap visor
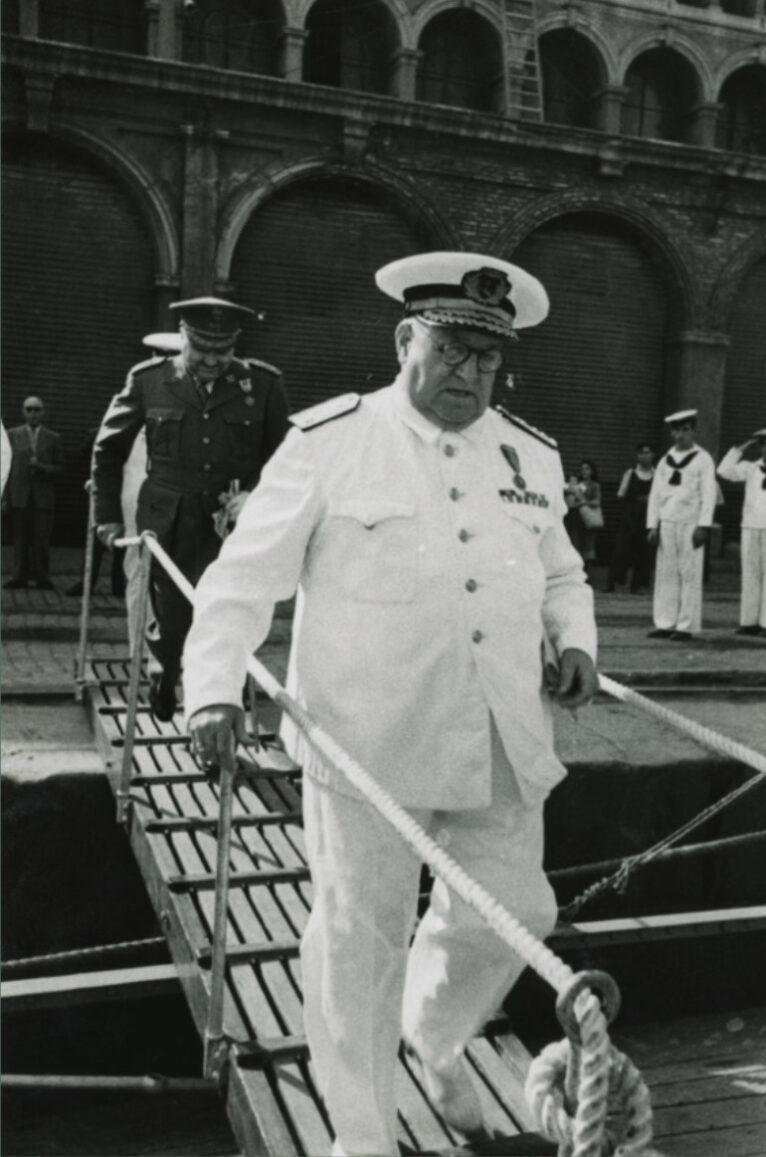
204, 341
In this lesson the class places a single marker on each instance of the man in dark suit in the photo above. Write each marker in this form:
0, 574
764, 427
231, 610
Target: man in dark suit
38, 460
212, 421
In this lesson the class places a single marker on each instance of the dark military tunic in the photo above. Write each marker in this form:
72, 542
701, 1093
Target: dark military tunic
196, 446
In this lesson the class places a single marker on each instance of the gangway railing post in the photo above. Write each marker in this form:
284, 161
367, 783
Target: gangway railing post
216, 1041
123, 792
82, 649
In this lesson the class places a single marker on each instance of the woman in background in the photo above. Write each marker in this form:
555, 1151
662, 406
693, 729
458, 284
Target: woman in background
631, 548
585, 518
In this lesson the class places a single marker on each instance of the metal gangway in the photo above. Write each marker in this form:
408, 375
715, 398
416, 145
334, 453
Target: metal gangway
224, 864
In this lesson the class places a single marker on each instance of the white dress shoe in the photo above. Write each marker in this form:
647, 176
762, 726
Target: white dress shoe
452, 1094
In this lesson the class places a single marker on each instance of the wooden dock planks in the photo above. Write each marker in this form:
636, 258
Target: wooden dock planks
276, 1110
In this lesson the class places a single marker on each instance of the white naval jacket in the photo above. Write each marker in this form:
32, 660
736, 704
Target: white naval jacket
693, 500
428, 579
734, 469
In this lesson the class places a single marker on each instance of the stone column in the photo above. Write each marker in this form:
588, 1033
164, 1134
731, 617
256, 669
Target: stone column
704, 119
200, 211
291, 47
162, 33
696, 366
607, 108
165, 291
29, 23
404, 67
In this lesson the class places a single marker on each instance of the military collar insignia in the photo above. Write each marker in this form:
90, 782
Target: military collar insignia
325, 411
245, 385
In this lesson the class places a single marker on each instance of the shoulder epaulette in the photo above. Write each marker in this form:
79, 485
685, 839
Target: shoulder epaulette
325, 411
149, 364
257, 364
515, 420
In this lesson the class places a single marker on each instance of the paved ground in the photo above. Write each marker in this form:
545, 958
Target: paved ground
718, 679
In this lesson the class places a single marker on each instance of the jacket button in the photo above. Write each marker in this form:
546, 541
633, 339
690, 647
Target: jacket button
205, 416
477, 636
206, 466
464, 535
454, 493
450, 450
471, 585
205, 441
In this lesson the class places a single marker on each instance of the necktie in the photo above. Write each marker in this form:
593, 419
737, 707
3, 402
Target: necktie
675, 477
763, 480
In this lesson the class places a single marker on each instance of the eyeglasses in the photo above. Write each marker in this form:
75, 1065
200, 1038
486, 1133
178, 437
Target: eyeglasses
455, 353
32, 409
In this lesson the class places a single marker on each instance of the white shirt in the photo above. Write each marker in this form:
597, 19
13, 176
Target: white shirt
734, 469
427, 582
693, 500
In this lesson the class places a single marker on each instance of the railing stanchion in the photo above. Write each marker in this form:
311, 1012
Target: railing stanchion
216, 1043
123, 794
87, 577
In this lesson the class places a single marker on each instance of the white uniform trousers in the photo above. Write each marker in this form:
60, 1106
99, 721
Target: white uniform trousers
362, 987
678, 579
752, 608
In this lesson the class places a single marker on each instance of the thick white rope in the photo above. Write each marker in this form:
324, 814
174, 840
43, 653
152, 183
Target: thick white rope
588, 1128
698, 731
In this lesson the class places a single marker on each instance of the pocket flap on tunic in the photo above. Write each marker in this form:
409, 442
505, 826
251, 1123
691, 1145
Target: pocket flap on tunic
371, 511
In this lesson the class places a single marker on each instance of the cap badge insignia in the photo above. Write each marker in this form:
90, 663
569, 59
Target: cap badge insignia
486, 286
512, 459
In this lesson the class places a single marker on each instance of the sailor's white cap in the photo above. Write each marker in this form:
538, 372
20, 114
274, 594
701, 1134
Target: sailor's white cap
163, 343
681, 416
759, 433
465, 289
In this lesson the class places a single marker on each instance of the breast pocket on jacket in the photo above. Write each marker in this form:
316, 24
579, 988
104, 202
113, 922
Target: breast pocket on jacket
243, 436
373, 549
163, 433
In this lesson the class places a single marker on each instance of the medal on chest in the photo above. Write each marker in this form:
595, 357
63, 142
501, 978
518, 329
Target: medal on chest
513, 461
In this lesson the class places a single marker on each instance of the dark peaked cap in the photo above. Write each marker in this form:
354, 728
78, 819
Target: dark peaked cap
212, 318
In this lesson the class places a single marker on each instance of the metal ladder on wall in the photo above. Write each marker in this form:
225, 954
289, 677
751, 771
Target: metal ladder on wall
523, 86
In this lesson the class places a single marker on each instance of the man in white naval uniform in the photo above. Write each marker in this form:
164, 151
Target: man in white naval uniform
678, 517
734, 467
424, 531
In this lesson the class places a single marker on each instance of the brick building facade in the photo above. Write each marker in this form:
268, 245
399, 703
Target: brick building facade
280, 150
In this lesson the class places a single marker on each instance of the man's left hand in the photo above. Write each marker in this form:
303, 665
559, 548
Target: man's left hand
235, 503
699, 536
578, 679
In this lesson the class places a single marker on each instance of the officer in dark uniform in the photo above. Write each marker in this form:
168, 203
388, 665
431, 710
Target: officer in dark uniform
212, 422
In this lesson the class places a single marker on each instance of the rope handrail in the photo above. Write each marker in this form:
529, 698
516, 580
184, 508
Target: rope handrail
595, 1075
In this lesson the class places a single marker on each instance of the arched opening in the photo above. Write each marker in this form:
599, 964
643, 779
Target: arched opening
95, 23
307, 258
350, 45
592, 374
742, 120
743, 410
572, 76
663, 89
241, 35
78, 274
461, 63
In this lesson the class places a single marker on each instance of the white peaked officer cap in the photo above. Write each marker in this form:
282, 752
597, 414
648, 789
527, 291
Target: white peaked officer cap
681, 416
465, 289
759, 433
163, 343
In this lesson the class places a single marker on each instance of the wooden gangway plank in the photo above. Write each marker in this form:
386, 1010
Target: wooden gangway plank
274, 1105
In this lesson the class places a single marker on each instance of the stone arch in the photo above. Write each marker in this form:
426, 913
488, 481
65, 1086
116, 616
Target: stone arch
555, 22
749, 253
573, 73
278, 177
297, 11
153, 206
683, 293
486, 8
669, 38
756, 54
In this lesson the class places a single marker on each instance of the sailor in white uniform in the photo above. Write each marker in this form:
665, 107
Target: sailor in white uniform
735, 467
424, 532
679, 516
